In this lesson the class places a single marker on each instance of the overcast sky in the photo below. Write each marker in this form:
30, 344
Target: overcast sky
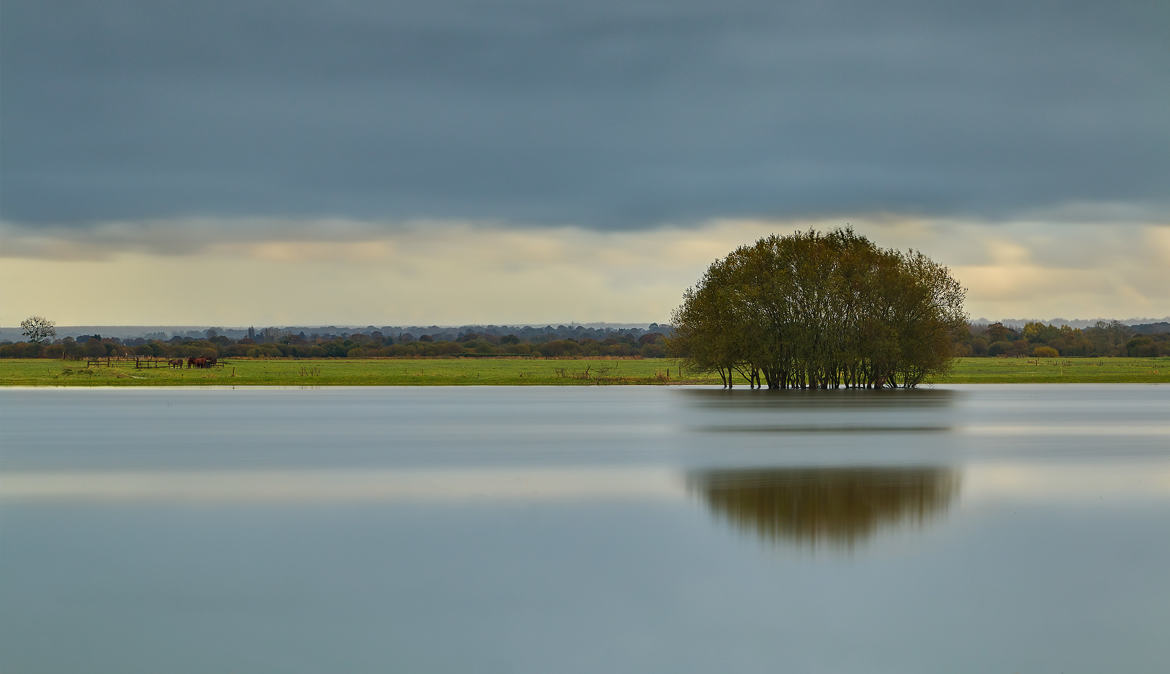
459, 161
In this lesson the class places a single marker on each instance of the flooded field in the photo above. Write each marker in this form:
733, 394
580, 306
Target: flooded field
557, 529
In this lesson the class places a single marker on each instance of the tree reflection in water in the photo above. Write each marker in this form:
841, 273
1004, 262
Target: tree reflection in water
840, 506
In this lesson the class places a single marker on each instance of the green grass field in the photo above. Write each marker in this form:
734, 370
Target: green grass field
477, 371
1057, 371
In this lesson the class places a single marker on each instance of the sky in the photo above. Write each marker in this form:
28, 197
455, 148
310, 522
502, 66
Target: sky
469, 161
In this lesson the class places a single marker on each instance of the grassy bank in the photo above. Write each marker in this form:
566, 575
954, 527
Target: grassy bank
352, 372
469, 371
1057, 371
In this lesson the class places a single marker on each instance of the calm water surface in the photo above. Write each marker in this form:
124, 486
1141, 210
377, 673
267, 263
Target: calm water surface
960, 529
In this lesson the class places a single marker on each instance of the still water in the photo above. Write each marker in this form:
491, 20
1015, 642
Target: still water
633, 529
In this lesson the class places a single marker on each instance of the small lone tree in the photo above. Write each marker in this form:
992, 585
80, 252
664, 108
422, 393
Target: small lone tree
38, 329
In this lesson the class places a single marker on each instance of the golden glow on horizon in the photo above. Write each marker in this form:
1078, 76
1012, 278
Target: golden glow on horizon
342, 272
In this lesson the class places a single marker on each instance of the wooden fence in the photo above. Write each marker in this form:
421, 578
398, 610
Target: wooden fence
140, 362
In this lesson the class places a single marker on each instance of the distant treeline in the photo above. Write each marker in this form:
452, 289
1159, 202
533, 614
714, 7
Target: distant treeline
1111, 338
1104, 339
492, 341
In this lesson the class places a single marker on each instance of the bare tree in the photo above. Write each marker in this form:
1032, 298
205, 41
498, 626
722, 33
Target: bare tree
38, 328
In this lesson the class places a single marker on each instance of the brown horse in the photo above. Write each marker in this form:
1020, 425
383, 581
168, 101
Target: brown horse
175, 362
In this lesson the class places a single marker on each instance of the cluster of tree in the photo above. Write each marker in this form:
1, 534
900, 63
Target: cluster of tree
618, 343
1041, 340
813, 310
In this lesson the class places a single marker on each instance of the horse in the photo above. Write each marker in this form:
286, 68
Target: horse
175, 362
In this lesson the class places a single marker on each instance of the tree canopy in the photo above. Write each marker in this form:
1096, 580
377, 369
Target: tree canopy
821, 310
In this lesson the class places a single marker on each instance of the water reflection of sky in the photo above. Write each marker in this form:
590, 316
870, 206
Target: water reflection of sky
438, 530
882, 487
794, 467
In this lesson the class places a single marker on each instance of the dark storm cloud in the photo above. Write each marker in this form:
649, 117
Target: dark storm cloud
605, 114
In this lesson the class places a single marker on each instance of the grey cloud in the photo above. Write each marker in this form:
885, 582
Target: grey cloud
606, 114
180, 236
